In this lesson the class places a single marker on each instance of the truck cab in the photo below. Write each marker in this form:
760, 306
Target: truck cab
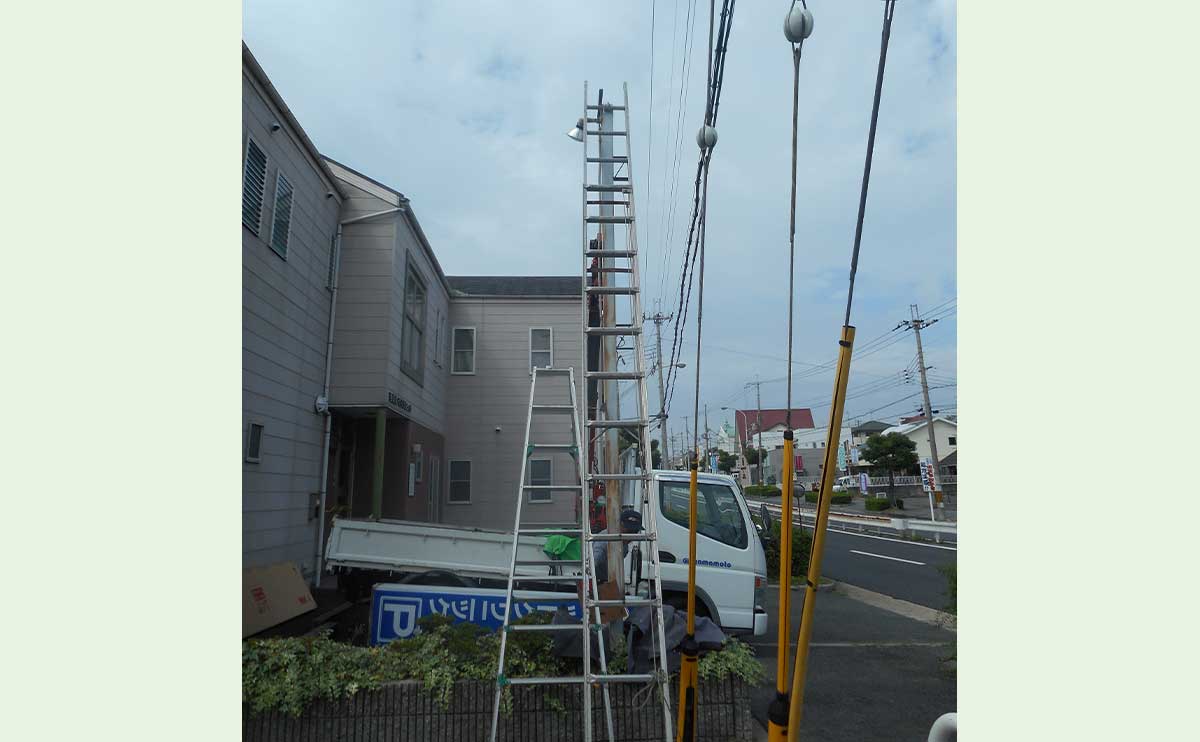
731, 566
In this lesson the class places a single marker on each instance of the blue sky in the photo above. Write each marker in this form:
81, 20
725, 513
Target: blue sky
463, 107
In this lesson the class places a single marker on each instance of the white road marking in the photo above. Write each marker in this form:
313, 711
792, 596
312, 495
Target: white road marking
882, 556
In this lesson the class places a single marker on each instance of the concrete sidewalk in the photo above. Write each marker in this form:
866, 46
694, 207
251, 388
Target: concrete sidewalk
874, 674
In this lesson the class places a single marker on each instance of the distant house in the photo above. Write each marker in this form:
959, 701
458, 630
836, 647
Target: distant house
945, 430
773, 423
860, 433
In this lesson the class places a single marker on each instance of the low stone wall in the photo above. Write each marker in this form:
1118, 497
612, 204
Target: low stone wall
404, 711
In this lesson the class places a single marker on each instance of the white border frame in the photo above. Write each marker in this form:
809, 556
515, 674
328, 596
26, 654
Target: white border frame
450, 481
532, 351
474, 350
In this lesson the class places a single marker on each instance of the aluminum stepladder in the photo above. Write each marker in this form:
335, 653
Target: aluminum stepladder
586, 574
612, 314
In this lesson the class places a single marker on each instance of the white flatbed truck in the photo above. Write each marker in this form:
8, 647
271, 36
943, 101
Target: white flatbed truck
731, 569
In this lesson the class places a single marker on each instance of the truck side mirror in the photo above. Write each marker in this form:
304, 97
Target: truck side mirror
767, 521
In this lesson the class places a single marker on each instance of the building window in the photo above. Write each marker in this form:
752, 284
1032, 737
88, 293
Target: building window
541, 353
460, 481
464, 351
254, 184
413, 341
953, 440
254, 436
281, 220
437, 338
541, 474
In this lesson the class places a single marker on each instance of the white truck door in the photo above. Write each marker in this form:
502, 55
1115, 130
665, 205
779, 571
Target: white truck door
724, 555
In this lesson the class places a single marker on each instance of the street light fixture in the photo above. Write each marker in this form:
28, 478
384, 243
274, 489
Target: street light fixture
576, 133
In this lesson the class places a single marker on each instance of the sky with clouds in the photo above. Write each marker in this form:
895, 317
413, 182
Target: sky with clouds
463, 106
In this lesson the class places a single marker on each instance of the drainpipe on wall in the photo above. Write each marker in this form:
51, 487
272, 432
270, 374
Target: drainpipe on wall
323, 400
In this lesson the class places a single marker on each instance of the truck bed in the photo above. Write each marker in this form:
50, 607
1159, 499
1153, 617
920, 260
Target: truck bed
411, 546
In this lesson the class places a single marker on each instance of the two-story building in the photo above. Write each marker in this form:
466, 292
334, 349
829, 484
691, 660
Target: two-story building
421, 387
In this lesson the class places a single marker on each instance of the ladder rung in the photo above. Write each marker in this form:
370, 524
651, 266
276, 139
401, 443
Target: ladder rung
643, 536
556, 446
614, 158
556, 487
612, 290
609, 107
605, 269
608, 219
603, 133
626, 603
546, 681
613, 375
545, 627
554, 408
551, 370
608, 188
625, 678
608, 203
630, 423
610, 253
599, 477
547, 578
549, 563
621, 177
618, 330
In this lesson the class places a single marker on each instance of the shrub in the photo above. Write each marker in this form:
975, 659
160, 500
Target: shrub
877, 503
733, 658
801, 541
762, 490
839, 498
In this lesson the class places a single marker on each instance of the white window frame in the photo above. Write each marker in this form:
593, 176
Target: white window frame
261, 435
550, 350
267, 168
414, 372
450, 480
454, 349
287, 238
549, 495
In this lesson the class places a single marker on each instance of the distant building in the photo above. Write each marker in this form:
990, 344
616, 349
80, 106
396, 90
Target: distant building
945, 430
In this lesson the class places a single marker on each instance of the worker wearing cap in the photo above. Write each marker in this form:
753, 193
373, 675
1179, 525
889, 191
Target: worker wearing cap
631, 522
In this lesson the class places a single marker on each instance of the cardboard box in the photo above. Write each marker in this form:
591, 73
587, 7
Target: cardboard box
272, 595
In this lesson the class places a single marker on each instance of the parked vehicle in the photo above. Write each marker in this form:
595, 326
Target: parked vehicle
731, 567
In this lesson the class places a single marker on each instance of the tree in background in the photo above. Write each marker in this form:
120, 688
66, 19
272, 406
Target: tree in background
889, 453
726, 461
751, 455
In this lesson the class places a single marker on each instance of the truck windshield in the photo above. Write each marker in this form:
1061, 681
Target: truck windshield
718, 515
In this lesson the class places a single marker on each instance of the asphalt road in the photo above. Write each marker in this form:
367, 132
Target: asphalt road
906, 570
872, 675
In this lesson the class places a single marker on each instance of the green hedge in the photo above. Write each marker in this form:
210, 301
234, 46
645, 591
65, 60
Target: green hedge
288, 674
878, 503
839, 498
801, 543
762, 490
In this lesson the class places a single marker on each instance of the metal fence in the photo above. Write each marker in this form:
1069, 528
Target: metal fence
405, 711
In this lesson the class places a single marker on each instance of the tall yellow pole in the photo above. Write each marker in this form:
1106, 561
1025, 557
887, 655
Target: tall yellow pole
685, 725
777, 711
818, 544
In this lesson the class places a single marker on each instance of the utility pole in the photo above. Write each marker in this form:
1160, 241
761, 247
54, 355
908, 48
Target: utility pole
916, 324
658, 319
758, 400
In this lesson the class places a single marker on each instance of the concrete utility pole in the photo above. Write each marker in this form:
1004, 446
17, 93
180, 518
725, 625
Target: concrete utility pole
916, 323
758, 400
658, 319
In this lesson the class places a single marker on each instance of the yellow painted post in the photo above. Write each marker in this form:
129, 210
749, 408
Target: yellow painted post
818, 544
685, 726
777, 711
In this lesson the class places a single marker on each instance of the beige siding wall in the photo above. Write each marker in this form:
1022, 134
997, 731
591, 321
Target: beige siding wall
285, 316
498, 395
